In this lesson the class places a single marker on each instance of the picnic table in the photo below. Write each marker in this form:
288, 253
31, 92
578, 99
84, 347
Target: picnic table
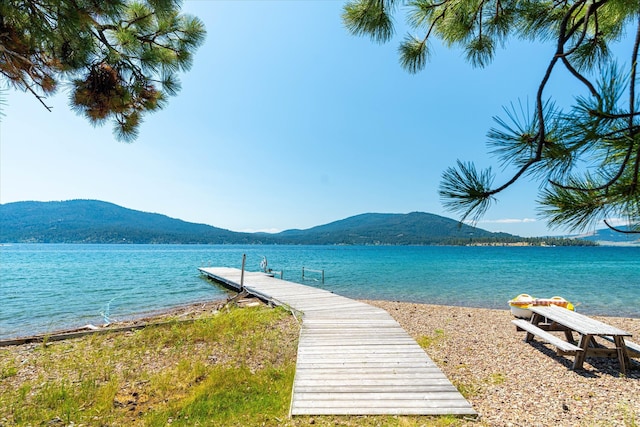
554, 318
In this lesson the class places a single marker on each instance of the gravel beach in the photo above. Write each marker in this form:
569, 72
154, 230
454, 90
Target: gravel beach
513, 383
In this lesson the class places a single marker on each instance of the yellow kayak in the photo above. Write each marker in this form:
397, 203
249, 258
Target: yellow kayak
520, 305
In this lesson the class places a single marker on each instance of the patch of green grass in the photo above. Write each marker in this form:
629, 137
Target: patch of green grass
427, 341
469, 389
496, 378
7, 370
630, 418
230, 397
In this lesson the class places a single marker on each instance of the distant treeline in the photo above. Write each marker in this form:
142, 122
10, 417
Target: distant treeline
524, 241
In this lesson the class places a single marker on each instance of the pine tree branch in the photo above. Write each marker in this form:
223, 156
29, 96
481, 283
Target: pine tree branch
541, 135
435, 21
581, 78
563, 37
619, 230
138, 19
604, 115
19, 75
585, 27
38, 97
513, 179
479, 17
606, 185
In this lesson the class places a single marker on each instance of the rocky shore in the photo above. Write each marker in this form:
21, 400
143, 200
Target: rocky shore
513, 383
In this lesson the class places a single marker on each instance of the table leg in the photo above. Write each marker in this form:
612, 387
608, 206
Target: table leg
580, 356
569, 336
535, 319
623, 357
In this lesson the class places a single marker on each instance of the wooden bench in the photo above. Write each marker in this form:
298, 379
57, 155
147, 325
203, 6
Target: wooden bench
562, 346
633, 349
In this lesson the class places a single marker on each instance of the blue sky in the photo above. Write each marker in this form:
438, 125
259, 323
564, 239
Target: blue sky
284, 121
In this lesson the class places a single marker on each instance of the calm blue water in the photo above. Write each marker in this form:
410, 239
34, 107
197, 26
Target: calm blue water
47, 287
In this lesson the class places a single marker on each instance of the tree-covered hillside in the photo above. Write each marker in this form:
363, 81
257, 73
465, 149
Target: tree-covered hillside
416, 228
93, 221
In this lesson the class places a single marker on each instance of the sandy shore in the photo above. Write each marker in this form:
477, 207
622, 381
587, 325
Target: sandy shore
513, 383
508, 382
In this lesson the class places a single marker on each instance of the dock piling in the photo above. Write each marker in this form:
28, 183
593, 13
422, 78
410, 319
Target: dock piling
244, 260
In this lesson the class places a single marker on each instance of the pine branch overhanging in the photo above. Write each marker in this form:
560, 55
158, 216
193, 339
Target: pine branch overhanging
587, 160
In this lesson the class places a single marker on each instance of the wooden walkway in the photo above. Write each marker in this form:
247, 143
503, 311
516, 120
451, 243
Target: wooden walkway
353, 358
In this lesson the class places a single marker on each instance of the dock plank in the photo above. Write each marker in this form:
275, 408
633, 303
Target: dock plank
353, 358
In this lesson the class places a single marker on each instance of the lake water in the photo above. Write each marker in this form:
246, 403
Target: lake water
47, 287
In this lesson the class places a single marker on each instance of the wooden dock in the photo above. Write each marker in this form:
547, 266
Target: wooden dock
353, 358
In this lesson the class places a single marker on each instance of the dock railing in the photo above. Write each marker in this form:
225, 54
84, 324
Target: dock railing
304, 270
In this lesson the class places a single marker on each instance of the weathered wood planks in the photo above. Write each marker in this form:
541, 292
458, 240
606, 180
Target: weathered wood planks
353, 358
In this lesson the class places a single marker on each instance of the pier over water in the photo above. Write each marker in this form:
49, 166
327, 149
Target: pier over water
353, 358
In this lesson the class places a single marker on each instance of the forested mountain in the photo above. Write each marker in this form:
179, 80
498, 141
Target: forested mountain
93, 221
416, 228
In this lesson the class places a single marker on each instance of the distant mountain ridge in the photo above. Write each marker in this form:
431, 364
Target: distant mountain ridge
609, 236
94, 221
415, 228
